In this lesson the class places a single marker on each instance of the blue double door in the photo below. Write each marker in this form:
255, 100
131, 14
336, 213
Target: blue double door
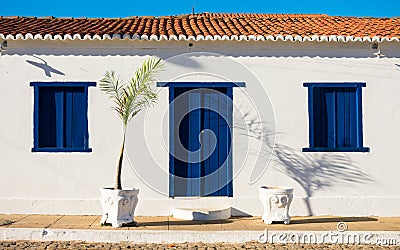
201, 136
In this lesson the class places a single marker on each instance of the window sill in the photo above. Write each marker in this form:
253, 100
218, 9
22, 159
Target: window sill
62, 150
362, 149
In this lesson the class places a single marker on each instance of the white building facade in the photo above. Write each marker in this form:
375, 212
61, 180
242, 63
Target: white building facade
340, 156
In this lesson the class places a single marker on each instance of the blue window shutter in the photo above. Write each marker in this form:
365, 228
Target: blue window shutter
346, 122
46, 118
335, 115
311, 114
323, 133
60, 116
358, 121
318, 118
342, 117
75, 134
330, 117
354, 111
35, 117
68, 118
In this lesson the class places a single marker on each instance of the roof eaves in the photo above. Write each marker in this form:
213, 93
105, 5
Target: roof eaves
323, 38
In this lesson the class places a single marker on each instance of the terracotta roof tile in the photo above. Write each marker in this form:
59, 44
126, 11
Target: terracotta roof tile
205, 24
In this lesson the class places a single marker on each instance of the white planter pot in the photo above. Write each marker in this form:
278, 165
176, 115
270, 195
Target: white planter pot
118, 206
276, 202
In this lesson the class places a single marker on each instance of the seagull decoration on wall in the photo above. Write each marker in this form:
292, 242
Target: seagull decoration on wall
47, 68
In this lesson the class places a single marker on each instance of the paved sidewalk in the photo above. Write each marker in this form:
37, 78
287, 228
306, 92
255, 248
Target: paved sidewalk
314, 223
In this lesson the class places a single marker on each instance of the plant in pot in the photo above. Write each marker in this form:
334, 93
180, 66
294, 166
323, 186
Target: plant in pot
129, 98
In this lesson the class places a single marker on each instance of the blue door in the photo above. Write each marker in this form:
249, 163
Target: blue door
201, 158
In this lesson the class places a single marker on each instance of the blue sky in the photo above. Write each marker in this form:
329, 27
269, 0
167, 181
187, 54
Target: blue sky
127, 8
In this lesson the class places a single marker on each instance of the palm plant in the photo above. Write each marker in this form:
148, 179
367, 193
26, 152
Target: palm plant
130, 97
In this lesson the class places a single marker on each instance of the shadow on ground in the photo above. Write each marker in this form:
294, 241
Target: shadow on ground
183, 223
5, 222
328, 220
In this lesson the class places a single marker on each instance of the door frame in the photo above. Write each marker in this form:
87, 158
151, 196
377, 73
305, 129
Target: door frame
172, 86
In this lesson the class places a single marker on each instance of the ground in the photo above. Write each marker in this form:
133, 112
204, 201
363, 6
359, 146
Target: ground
165, 224
198, 246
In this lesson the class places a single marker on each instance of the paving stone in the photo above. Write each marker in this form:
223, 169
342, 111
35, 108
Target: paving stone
36, 221
74, 222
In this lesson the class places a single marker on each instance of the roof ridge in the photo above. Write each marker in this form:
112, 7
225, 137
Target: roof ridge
205, 15
246, 15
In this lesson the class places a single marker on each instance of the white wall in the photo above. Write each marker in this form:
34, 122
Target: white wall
339, 183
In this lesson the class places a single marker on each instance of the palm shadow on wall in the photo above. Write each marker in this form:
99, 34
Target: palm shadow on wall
43, 65
312, 171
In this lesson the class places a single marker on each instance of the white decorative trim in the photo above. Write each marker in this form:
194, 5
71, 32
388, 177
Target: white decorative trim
291, 38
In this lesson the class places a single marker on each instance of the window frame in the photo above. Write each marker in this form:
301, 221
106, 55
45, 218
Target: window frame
358, 85
36, 93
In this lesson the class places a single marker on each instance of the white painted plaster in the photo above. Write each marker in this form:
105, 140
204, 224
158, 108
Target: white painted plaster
68, 183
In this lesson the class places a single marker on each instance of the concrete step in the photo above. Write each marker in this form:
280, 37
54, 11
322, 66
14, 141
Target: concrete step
201, 213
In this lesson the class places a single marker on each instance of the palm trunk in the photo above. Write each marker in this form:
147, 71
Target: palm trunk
118, 184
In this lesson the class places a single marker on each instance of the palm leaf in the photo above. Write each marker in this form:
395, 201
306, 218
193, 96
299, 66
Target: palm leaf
131, 97
110, 84
139, 88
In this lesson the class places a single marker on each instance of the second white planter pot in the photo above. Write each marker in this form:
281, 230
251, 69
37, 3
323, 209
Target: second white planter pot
118, 206
276, 202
